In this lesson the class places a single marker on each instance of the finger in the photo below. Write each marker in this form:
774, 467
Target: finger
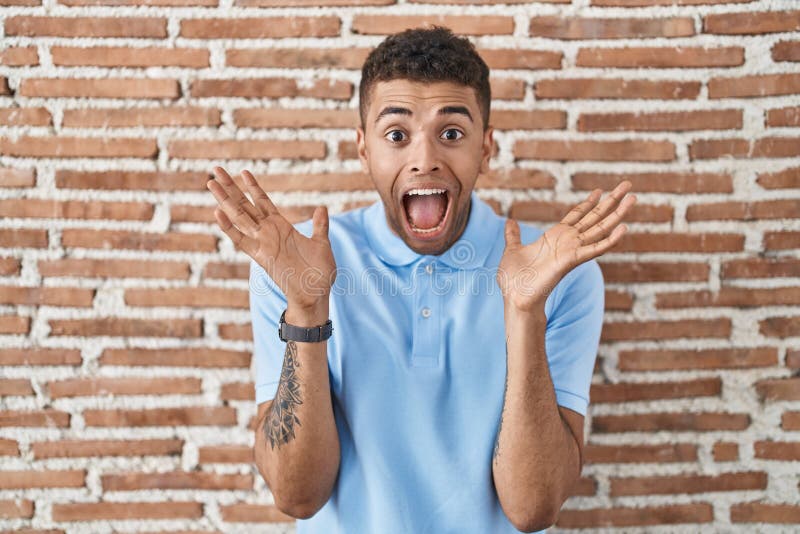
580, 210
604, 207
605, 226
236, 195
321, 223
260, 198
512, 233
588, 252
235, 211
240, 241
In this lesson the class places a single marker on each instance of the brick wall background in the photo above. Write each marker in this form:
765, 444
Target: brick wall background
125, 342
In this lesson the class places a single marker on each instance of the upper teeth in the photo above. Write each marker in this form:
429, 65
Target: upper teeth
425, 191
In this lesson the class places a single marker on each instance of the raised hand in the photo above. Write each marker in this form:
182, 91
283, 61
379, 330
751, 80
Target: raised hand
302, 267
528, 273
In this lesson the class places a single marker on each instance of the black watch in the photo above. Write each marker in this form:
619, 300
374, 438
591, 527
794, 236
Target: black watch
290, 332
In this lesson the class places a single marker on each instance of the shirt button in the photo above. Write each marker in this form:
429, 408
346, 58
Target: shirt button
429, 268
426, 312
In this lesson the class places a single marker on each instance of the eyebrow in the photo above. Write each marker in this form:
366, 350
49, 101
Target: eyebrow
446, 110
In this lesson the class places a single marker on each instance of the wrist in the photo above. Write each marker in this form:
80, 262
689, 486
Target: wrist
309, 315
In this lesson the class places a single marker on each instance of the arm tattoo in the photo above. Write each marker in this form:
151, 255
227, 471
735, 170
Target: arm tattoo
500, 424
279, 426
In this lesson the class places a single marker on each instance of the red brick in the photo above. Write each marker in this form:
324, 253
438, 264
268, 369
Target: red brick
237, 391
187, 416
42, 479
295, 118
196, 297
765, 147
175, 480
622, 454
126, 327
236, 454
783, 117
725, 452
507, 88
25, 116
226, 271
77, 209
679, 121
92, 387
8, 447
253, 513
688, 484
624, 150
4, 88
654, 271
600, 88
42, 418
670, 3
147, 117
542, 210
16, 508
98, 448
149, 3
636, 516
260, 28
124, 56
239, 332
17, 177
12, 324
270, 88
514, 178
111, 268
510, 58
643, 391
147, 241
19, 56
778, 389
673, 242
246, 149
618, 300
757, 86
306, 3
297, 58
667, 329
759, 513
40, 356
100, 88
189, 213
518, 119
661, 182
786, 51
740, 297
793, 359
145, 180
781, 240
585, 487
554, 27
785, 179
676, 360
760, 268
744, 211
790, 421
784, 451
126, 510
15, 387
683, 422
10, 266
144, 27
191, 358
752, 22
661, 57
47, 296
780, 326
459, 24
79, 147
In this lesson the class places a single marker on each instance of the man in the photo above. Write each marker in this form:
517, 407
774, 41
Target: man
450, 394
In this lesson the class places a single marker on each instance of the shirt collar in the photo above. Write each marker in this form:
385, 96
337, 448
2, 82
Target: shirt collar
469, 252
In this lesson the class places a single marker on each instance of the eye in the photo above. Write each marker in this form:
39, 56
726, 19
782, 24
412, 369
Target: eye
450, 138
394, 136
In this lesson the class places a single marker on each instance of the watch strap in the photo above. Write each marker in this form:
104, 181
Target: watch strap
290, 332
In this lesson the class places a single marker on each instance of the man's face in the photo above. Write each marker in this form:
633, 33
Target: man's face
422, 138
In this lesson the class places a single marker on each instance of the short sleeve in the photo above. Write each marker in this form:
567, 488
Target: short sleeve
573, 334
267, 302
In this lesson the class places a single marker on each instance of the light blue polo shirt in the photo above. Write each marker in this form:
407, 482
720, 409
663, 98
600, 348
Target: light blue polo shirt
417, 368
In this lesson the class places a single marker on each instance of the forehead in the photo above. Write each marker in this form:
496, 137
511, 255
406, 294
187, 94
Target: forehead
420, 95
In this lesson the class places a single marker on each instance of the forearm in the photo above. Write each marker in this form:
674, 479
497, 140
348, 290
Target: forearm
297, 443
535, 453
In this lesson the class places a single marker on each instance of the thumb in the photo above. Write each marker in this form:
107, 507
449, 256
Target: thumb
512, 232
321, 223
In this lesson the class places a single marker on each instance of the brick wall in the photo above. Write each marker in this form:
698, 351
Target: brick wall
125, 343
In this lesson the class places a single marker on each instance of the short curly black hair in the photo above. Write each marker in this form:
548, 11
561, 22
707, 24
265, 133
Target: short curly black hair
428, 55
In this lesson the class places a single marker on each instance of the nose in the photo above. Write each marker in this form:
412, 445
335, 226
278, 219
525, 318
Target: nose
424, 155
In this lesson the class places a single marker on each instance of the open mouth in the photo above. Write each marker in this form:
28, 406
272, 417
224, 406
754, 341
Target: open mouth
426, 211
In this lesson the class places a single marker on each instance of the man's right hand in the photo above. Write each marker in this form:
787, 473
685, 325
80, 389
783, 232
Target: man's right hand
303, 268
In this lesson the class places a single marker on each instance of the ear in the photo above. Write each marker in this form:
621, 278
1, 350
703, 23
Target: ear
487, 149
361, 146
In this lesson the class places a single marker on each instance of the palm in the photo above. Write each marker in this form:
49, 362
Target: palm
303, 267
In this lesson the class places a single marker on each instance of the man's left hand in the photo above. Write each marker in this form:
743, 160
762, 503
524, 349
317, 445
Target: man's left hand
528, 273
